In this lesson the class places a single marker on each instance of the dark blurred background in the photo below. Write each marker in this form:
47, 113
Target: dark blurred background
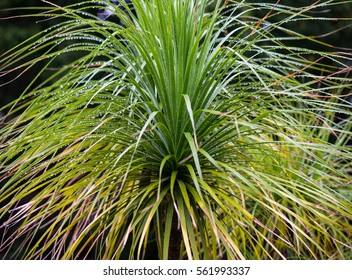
14, 30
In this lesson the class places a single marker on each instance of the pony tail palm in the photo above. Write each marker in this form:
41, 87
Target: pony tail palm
183, 130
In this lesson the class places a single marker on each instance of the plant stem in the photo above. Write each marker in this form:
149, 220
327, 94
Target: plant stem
175, 239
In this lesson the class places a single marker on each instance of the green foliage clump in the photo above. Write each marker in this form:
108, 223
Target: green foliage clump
200, 133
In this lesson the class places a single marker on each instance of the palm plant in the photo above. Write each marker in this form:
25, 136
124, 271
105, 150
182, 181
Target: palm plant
190, 127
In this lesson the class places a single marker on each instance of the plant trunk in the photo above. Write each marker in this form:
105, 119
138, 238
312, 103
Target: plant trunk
175, 239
